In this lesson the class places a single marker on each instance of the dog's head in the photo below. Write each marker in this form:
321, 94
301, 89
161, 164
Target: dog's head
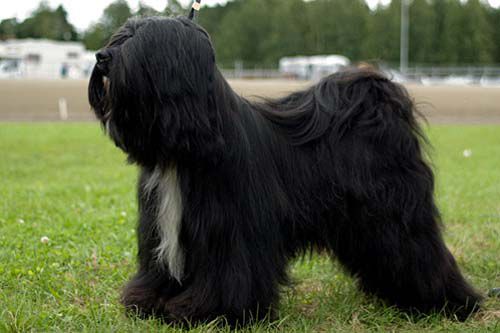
151, 87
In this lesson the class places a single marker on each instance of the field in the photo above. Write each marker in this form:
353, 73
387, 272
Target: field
68, 211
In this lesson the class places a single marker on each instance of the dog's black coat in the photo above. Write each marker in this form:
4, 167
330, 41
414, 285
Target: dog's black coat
338, 167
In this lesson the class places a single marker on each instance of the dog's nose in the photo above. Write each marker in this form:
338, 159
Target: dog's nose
102, 56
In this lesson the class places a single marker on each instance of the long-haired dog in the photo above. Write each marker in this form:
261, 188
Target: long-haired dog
231, 190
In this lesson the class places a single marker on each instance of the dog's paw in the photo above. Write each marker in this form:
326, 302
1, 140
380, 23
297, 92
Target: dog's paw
179, 309
139, 301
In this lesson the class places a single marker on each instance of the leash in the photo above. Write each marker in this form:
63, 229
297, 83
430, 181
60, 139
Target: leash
195, 8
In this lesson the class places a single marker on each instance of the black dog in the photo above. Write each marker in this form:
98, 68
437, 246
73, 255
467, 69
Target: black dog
230, 190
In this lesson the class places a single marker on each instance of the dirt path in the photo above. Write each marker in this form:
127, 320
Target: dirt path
34, 100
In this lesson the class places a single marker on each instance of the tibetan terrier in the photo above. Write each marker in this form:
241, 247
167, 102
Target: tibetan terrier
230, 191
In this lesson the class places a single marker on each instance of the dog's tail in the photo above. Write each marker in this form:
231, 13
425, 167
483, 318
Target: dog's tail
352, 101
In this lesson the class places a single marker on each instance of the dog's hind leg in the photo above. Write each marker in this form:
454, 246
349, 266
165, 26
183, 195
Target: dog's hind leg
409, 267
389, 232
390, 236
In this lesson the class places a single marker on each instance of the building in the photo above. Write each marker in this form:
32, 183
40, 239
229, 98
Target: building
44, 59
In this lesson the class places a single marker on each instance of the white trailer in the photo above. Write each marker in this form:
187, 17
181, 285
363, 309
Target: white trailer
312, 68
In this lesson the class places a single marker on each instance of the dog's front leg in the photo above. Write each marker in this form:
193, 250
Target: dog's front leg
231, 274
147, 293
235, 297
153, 284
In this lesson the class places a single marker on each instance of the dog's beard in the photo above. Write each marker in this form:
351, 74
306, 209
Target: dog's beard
112, 130
99, 98
98, 93
106, 83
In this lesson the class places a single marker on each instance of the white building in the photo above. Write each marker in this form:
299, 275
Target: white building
44, 59
312, 68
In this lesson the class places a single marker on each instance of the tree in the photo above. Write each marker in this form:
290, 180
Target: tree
8, 28
114, 16
446, 34
260, 32
288, 31
47, 23
244, 30
476, 43
495, 24
421, 29
95, 37
145, 10
333, 29
216, 21
384, 34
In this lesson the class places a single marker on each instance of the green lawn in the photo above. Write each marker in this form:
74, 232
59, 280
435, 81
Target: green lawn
70, 184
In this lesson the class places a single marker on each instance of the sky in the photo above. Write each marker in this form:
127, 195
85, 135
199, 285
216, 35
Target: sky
82, 13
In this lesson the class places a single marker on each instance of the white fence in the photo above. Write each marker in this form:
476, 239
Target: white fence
252, 73
486, 76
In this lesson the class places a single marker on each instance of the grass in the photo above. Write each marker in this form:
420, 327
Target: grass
70, 184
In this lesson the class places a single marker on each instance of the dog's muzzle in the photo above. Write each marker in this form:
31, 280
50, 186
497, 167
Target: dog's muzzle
103, 58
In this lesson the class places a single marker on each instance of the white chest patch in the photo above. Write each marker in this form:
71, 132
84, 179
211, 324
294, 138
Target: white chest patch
168, 219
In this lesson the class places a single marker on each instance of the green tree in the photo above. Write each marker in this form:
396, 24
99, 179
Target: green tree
95, 37
288, 32
8, 28
384, 34
445, 36
260, 32
421, 30
476, 40
495, 24
245, 30
114, 16
216, 21
339, 26
47, 23
145, 10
